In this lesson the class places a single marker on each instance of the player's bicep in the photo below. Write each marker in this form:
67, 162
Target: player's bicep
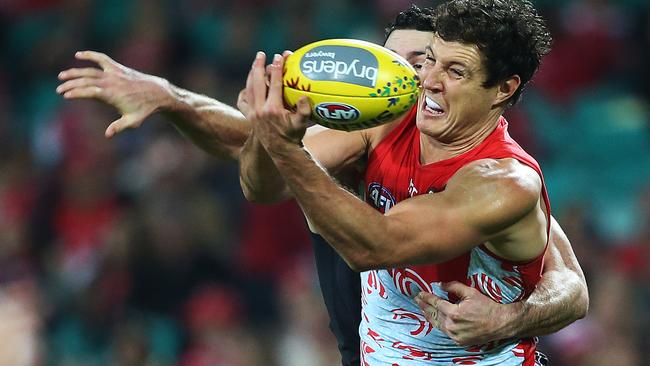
479, 204
431, 228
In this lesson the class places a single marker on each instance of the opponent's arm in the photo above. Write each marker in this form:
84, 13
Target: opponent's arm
213, 126
560, 298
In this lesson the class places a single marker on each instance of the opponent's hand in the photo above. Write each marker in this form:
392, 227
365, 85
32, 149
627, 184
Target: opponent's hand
272, 122
134, 94
474, 320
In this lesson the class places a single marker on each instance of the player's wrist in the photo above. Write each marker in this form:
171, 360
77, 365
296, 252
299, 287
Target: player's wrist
512, 320
172, 99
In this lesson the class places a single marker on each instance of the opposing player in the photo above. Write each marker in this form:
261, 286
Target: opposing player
449, 195
221, 130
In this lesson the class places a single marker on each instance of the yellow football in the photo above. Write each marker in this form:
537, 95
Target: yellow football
351, 84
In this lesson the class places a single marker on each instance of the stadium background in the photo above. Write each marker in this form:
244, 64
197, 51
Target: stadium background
142, 251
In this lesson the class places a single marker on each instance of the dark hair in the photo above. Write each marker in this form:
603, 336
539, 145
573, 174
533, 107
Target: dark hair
510, 34
412, 18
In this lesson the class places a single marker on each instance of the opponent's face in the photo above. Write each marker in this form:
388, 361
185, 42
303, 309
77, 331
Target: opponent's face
454, 104
410, 44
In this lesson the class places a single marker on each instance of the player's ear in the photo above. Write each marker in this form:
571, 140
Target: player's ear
507, 88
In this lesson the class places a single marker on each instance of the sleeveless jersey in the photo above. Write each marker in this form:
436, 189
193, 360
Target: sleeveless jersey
393, 330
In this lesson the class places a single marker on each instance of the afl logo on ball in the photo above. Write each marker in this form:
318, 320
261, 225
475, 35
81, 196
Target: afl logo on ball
337, 112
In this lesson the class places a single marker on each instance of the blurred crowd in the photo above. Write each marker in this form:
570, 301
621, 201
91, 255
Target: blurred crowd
142, 251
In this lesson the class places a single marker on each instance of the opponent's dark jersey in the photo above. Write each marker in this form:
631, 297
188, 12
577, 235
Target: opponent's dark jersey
342, 295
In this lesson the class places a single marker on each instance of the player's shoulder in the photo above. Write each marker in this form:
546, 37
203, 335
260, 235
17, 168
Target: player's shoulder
376, 135
508, 176
495, 192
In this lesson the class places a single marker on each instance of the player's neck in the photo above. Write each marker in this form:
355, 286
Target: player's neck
433, 150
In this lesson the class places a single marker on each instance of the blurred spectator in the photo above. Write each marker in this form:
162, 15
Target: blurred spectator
19, 325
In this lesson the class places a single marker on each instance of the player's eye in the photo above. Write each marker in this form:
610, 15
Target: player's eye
417, 66
457, 72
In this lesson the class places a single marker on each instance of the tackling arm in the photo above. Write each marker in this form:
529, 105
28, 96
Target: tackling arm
560, 298
213, 126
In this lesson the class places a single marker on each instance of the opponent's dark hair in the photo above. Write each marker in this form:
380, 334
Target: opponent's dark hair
412, 18
510, 34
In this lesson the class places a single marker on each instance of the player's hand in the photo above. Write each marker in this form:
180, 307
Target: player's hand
242, 101
135, 95
272, 122
475, 319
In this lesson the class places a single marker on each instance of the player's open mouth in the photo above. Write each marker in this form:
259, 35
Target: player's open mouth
431, 107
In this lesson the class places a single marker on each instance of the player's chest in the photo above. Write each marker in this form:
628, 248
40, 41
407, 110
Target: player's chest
389, 185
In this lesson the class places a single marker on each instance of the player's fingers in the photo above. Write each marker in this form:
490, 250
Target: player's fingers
80, 73
267, 74
258, 81
274, 99
84, 92
76, 83
429, 298
459, 289
303, 110
242, 102
105, 62
122, 124
247, 93
444, 307
429, 311
287, 53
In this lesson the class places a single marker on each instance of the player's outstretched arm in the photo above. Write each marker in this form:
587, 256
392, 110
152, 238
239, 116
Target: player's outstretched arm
560, 298
213, 126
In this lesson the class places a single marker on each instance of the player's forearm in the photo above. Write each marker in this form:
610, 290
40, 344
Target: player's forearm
325, 203
259, 178
559, 300
215, 127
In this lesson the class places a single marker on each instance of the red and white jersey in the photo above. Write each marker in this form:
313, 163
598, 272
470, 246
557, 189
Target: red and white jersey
393, 330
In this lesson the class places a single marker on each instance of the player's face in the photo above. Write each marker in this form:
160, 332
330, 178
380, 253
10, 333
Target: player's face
410, 44
453, 104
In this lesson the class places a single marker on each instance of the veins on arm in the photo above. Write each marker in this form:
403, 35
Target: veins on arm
561, 296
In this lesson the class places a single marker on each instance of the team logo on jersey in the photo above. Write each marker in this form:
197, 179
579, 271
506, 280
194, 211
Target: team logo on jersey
380, 197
